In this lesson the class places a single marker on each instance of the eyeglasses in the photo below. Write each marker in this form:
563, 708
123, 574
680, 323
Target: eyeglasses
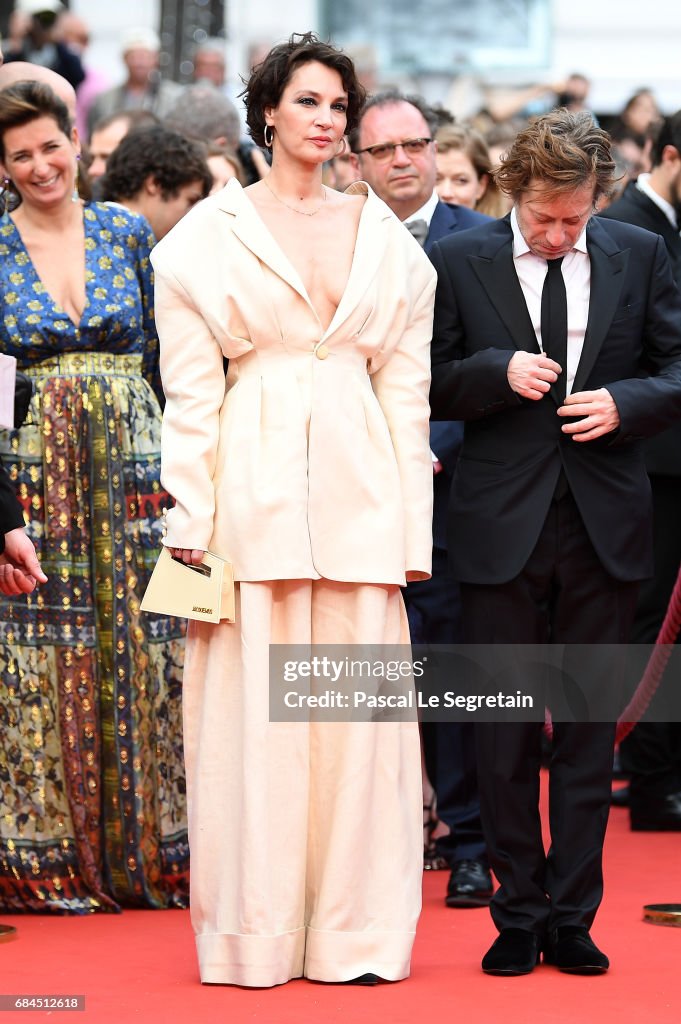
386, 151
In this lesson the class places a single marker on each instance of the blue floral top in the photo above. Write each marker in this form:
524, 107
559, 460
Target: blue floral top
118, 316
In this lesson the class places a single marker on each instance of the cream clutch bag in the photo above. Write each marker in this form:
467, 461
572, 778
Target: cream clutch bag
204, 592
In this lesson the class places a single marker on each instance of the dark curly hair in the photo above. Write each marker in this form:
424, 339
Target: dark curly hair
168, 157
665, 133
269, 79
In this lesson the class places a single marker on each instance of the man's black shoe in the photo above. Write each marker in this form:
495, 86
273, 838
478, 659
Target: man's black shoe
515, 951
573, 951
656, 813
470, 885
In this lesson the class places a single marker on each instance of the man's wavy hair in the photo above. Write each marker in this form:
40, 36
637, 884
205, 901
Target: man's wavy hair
269, 79
562, 149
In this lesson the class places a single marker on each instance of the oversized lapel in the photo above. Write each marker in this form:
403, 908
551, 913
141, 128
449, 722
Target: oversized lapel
608, 266
369, 250
252, 232
494, 269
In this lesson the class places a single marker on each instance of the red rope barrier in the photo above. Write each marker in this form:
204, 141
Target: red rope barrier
659, 656
654, 670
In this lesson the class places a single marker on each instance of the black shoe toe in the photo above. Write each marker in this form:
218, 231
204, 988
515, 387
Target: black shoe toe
470, 885
572, 950
515, 951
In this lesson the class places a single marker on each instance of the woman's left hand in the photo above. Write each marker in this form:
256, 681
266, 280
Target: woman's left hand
191, 556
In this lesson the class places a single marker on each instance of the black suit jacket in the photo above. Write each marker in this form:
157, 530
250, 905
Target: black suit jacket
513, 449
635, 207
448, 218
11, 515
663, 453
445, 438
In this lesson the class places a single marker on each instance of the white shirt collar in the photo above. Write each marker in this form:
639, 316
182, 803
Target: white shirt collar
520, 246
426, 212
643, 185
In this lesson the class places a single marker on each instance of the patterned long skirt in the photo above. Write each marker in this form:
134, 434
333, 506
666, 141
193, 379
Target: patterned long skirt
92, 791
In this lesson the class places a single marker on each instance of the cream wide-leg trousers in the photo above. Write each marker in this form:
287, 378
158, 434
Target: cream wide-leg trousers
305, 838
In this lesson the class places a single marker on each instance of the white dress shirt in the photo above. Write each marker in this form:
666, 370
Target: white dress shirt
576, 271
643, 185
426, 211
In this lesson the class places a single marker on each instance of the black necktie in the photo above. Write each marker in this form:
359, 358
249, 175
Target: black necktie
554, 322
419, 229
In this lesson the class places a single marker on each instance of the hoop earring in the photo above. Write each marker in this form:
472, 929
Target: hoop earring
343, 147
6, 195
270, 129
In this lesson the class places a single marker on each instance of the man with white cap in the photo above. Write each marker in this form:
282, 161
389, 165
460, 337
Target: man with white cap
143, 89
41, 46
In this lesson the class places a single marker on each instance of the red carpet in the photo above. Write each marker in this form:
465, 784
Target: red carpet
139, 965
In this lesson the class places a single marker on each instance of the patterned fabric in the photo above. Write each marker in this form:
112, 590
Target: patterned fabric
92, 794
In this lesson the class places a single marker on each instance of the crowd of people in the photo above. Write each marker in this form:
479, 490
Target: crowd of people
271, 404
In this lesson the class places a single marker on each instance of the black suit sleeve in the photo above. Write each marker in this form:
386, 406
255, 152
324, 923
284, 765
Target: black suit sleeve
465, 385
11, 515
648, 405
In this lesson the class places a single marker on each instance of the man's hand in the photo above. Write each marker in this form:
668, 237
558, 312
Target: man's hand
19, 567
599, 411
531, 375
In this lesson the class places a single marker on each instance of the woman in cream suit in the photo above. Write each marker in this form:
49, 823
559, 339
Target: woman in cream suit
310, 470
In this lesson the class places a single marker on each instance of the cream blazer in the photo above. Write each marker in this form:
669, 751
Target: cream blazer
312, 459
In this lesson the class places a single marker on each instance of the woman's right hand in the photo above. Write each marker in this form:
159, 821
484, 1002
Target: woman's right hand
191, 556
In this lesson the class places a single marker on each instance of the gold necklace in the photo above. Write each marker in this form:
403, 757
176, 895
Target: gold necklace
304, 213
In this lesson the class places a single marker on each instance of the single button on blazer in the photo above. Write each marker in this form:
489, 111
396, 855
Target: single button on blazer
313, 458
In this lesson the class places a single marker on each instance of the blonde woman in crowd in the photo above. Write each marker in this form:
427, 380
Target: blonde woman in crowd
463, 171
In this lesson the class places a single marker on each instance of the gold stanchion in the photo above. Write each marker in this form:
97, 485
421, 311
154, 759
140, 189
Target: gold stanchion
663, 913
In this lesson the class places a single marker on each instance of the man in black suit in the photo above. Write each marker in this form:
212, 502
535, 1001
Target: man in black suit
395, 153
19, 567
652, 753
557, 339
653, 201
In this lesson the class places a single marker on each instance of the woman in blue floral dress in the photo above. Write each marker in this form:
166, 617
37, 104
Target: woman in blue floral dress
92, 799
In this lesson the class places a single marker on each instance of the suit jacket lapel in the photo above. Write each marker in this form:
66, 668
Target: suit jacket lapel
496, 273
608, 264
369, 248
252, 232
658, 221
442, 223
